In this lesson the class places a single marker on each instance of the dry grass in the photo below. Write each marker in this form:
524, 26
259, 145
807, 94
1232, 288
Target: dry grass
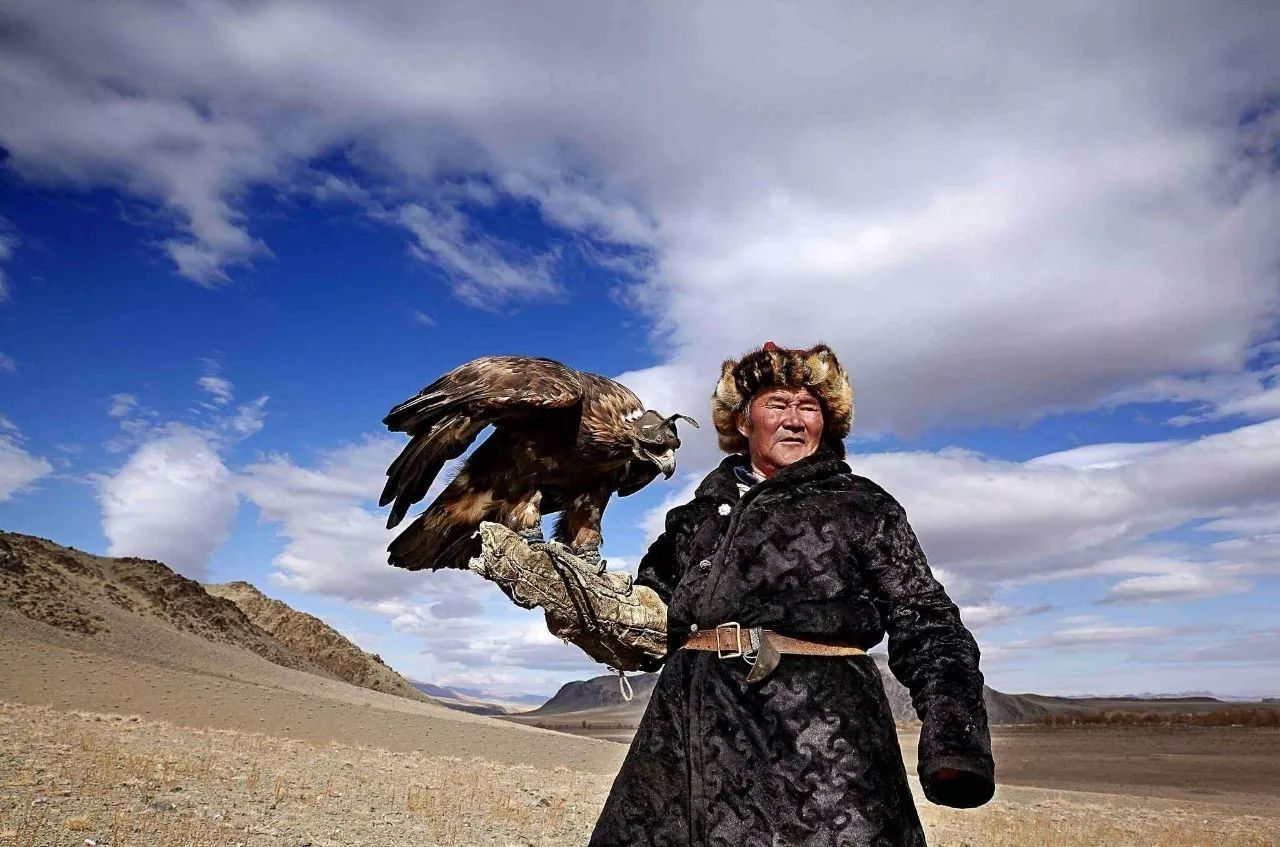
127, 783
1003, 825
1261, 716
67, 776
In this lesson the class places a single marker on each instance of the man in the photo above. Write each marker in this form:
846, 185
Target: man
786, 555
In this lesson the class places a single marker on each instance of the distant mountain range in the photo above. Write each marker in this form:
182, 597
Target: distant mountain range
598, 701
130, 603
601, 695
498, 702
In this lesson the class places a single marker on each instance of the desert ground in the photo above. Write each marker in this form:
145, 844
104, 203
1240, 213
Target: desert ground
139, 710
105, 748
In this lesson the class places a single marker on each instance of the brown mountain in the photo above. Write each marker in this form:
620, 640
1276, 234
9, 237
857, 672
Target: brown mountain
141, 608
130, 604
313, 639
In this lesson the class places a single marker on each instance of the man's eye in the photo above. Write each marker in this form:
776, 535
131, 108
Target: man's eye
809, 410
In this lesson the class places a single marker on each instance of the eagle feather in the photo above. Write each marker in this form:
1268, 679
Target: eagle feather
563, 440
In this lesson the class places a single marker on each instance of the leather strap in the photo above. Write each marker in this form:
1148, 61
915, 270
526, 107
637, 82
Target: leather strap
706, 640
762, 648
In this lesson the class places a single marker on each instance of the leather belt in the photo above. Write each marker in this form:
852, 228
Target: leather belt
761, 648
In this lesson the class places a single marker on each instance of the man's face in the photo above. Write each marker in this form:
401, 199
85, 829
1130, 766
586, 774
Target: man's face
783, 426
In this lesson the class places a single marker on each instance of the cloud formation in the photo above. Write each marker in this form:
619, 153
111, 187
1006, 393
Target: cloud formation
992, 215
173, 501
18, 468
334, 544
8, 242
483, 276
1059, 513
987, 523
951, 218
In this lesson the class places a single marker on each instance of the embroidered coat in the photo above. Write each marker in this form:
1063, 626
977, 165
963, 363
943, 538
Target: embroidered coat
807, 756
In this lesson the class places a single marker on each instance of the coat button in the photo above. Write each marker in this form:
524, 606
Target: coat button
705, 564
725, 508
693, 627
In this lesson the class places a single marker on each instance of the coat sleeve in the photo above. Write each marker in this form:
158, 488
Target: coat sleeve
935, 656
657, 570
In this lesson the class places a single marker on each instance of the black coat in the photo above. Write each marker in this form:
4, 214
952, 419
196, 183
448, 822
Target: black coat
809, 755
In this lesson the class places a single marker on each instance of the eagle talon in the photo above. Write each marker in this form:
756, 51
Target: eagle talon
591, 555
532, 537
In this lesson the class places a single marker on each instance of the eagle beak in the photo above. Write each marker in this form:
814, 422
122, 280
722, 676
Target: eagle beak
666, 463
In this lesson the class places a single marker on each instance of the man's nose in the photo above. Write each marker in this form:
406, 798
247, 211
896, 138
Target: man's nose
793, 419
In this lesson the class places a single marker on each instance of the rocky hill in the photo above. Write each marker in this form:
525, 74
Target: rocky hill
602, 695
142, 608
599, 692
314, 640
124, 601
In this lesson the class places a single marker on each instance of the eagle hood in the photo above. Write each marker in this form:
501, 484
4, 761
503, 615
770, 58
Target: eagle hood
816, 369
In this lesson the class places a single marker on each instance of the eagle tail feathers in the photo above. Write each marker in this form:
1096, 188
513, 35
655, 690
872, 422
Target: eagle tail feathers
442, 536
418, 465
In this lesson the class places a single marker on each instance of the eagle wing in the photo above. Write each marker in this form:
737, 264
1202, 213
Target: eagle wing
445, 417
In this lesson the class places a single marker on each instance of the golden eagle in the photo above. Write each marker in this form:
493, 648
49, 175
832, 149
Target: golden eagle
563, 441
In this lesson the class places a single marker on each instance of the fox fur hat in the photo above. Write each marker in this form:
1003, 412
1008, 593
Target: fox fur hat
816, 369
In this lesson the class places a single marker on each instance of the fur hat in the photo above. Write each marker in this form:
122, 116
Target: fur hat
816, 369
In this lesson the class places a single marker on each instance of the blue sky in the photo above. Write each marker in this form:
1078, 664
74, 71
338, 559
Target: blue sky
1045, 252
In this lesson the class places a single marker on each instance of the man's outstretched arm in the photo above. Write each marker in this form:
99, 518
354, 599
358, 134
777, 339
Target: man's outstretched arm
936, 658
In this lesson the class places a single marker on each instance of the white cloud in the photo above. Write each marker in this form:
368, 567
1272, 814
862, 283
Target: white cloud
8, 242
122, 405
483, 274
1252, 394
18, 468
1017, 520
7, 364
248, 418
654, 521
994, 613
1103, 634
988, 523
949, 223
1179, 584
173, 500
528, 645
1250, 648
334, 544
1101, 457
1247, 521
219, 388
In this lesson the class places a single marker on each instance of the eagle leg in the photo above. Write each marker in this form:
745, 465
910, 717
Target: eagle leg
579, 525
525, 517
590, 553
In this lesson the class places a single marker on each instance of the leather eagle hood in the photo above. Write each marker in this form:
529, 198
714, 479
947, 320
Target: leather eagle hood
816, 369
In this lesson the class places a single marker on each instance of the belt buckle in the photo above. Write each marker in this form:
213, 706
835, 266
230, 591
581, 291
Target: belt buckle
722, 653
